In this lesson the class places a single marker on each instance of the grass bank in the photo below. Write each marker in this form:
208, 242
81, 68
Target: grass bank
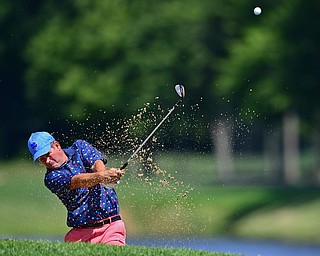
38, 248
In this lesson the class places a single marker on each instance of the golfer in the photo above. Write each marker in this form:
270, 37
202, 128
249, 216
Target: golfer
76, 175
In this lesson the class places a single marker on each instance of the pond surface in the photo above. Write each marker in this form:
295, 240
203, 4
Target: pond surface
229, 245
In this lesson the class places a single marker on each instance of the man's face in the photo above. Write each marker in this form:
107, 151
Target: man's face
54, 158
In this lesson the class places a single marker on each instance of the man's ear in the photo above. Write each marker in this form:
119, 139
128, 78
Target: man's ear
57, 145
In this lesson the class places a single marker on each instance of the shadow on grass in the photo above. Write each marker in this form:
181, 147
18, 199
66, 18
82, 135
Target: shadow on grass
275, 198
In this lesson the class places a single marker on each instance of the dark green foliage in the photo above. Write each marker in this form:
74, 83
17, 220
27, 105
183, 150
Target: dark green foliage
67, 60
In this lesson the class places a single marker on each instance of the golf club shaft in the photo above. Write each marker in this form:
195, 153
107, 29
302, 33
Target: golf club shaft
150, 135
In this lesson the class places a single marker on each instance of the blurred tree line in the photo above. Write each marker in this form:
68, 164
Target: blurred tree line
62, 61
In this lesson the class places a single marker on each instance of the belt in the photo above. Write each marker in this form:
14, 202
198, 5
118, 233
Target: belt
101, 223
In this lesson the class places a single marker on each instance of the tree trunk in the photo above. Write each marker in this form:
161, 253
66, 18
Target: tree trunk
291, 152
222, 142
272, 156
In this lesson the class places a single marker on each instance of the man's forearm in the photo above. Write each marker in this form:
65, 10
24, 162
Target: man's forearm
85, 180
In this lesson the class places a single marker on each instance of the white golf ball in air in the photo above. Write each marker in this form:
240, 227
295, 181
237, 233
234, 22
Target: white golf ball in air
257, 11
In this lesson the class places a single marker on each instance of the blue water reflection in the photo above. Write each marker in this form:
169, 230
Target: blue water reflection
227, 245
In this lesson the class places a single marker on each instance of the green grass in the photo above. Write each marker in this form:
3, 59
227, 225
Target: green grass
27, 207
150, 208
288, 214
38, 248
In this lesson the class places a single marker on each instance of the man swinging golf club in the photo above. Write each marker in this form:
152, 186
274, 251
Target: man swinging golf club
76, 175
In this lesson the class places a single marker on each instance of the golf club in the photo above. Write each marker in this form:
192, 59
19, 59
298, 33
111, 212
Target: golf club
181, 92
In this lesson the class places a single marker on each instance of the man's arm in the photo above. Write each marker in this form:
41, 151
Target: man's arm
100, 174
98, 166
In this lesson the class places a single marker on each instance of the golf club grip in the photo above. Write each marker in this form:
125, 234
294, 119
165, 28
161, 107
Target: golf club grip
124, 165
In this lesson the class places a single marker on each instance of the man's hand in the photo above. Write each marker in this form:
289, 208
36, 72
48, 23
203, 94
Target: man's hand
111, 175
114, 175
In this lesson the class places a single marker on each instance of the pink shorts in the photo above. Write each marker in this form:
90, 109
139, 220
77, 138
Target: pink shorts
114, 234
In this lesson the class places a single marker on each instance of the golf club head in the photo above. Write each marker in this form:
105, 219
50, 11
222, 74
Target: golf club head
180, 90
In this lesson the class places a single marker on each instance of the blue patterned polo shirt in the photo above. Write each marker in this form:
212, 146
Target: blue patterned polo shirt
84, 205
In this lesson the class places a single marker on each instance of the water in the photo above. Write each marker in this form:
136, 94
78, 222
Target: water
229, 245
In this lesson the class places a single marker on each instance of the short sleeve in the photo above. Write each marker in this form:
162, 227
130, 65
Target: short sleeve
89, 154
58, 181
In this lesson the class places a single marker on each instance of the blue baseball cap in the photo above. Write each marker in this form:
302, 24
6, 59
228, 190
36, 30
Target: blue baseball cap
39, 144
